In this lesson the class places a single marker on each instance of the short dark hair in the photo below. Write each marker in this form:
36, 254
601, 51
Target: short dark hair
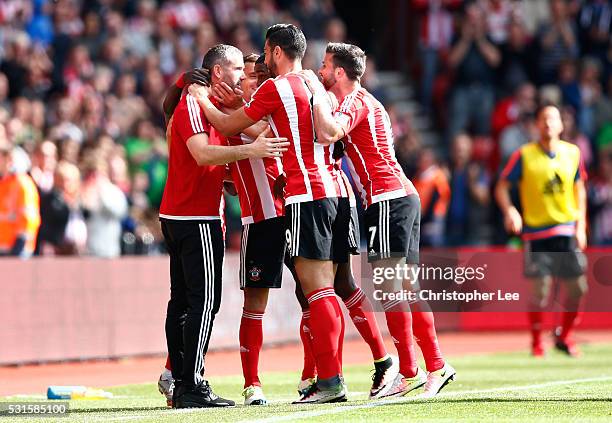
289, 38
261, 60
348, 57
545, 105
218, 55
250, 58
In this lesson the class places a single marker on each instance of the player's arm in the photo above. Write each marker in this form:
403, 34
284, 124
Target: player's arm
205, 154
581, 203
227, 125
327, 128
511, 173
173, 95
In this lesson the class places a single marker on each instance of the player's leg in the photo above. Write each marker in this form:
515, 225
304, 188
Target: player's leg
540, 293
202, 251
439, 372
309, 368
165, 383
572, 266
359, 306
310, 239
261, 268
385, 257
362, 314
538, 268
175, 315
251, 340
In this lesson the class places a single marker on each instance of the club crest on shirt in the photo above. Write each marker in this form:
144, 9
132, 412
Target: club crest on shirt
255, 274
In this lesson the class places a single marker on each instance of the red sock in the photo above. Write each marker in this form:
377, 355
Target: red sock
399, 323
570, 319
326, 328
309, 370
341, 341
535, 325
168, 366
251, 339
425, 334
363, 317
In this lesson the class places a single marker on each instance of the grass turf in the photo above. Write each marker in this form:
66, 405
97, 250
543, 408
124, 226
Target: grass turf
504, 387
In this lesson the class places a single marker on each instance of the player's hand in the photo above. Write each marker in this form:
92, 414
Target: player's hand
267, 145
229, 97
278, 190
513, 222
200, 92
198, 76
313, 82
581, 238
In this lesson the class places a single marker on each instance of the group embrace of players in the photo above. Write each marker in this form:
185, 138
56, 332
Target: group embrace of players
284, 131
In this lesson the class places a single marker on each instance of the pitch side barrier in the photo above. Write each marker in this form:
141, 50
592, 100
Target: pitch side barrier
56, 309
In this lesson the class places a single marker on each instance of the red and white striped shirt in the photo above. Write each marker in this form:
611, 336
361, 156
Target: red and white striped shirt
192, 192
254, 181
308, 166
369, 149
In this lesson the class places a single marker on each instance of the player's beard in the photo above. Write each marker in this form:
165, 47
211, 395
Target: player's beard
328, 82
272, 68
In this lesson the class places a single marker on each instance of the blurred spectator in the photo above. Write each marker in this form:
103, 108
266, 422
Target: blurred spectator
104, 207
568, 82
556, 40
470, 196
510, 109
572, 134
603, 108
517, 58
498, 14
68, 182
600, 201
514, 136
15, 62
595, 27
312, 16
590, 91
474, 58
435, 35
19, 207
431, 182
44, 162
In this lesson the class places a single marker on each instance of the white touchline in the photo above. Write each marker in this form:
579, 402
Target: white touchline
345, 408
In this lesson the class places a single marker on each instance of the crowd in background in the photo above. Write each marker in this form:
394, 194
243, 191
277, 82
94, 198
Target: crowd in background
483, 68
82, 83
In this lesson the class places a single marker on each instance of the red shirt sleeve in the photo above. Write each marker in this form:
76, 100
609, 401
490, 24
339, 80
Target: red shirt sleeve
190, 119
265, 101
350, 113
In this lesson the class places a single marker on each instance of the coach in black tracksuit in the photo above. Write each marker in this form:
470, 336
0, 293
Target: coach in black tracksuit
190, 219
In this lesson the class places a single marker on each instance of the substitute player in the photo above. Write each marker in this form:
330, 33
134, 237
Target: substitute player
550, 179
317, 218
392, 207
191, 225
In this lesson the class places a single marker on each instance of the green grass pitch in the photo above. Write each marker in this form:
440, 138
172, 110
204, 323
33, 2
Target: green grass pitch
499, 387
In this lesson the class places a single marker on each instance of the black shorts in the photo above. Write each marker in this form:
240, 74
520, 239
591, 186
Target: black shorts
394, 228
556, 256
262, 251
320, 230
